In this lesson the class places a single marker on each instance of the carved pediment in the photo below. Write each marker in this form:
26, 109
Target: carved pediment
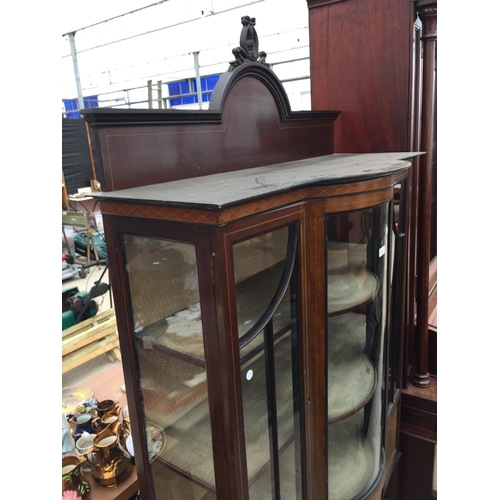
248, 50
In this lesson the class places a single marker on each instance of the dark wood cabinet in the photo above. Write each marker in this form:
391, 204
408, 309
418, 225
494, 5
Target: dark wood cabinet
259, 291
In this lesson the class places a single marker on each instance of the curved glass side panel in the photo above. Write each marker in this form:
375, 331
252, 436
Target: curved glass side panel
162, 284
356, 325
269, 363
397, 286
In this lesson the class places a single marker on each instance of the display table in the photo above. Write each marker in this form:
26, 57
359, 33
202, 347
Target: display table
107, 385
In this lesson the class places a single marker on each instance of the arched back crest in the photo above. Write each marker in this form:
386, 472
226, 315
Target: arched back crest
249, 124
259, 72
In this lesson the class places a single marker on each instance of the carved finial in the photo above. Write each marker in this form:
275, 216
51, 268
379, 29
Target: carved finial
249, 45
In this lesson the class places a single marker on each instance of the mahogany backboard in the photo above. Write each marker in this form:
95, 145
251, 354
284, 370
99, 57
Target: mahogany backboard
249, 124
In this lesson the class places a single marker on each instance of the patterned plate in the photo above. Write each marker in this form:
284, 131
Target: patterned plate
156, 440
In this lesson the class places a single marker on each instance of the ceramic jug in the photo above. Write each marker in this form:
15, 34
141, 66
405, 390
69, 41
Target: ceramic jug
85, 423
114, 415
105, 406
83, 444
72, 477
109, 460
111, 416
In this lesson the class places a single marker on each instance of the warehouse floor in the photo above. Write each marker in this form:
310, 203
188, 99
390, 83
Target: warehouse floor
99, 365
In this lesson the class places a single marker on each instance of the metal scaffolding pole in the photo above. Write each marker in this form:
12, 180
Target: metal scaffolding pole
71, 36
198, 79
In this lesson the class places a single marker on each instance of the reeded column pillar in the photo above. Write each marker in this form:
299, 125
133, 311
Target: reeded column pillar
428, 16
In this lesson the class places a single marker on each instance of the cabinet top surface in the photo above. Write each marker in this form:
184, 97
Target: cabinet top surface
222, 190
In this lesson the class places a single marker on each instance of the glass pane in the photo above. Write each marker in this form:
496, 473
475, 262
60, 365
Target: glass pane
170, 485
258, 265
270, 371
163, 282
393, 359
398, 296
357, 288
163, 288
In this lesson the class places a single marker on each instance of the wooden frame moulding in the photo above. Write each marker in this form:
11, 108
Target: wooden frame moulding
316, 321
231, 214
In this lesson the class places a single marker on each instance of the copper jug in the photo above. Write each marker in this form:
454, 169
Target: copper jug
116, 415
111, 416
109, 460
72, 477
106, 418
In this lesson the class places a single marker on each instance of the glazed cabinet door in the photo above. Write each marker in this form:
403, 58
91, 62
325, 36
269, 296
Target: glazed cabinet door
265, 314
356, 285
167, 342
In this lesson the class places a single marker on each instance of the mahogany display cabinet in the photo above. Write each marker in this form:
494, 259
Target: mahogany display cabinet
258, 287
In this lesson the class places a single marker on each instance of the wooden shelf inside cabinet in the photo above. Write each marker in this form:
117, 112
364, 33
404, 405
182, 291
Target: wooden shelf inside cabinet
349, 390
349, 469
349, 291
157, 337
167, 400
350, 284
288, 472
188, 448
171, 485
351, 374
182, 337
351, 459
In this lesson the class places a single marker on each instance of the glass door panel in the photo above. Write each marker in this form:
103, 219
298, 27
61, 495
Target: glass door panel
258, 268
357, 289
162, 282
269, 358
